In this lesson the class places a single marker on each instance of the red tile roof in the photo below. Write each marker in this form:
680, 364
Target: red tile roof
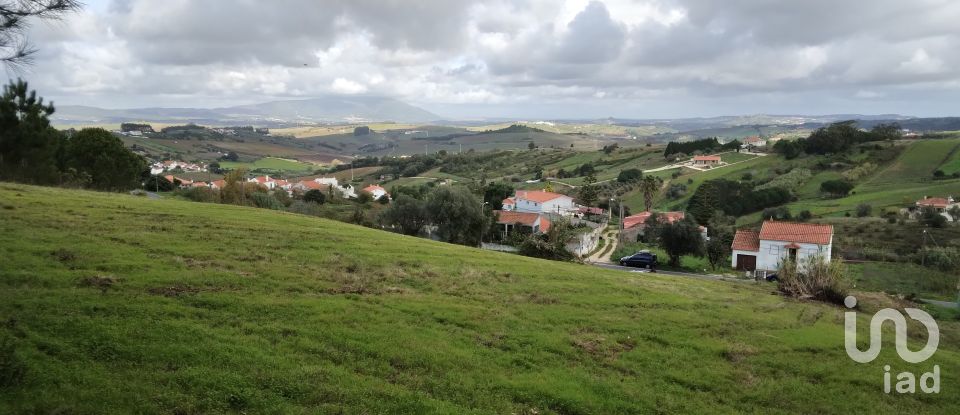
938, 202
219, 183
509, 201
746, 240
545, 224
641, 218
523, 218
706, 158
309, 184
371, 188
538, 196
809, 233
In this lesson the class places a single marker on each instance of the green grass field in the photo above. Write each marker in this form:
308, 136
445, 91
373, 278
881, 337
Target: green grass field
906, 279
916, 165
271, 164
120, 304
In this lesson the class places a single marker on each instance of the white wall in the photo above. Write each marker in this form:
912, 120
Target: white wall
772, 253
564, 202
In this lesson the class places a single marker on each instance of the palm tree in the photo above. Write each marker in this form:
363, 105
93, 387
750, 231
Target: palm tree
649, 186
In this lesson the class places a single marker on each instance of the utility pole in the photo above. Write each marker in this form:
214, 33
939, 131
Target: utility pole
620, 234
923, 248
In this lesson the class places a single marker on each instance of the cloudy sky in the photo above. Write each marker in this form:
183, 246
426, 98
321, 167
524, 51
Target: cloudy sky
513, 58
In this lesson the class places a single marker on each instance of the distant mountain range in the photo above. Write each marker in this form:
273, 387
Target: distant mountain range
366, 109
326, 109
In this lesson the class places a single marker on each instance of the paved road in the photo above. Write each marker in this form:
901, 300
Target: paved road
662, 272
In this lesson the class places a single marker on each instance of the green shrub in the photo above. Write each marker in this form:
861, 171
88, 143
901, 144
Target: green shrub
944, 259
266, 201
814, 278
201, 194
790, 181
316, 196
864, 210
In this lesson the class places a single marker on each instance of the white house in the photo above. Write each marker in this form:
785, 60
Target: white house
777, 241
941, 205
376, 191
709, 161
266, 181
511, 220
754, 142
332, 181
538, 201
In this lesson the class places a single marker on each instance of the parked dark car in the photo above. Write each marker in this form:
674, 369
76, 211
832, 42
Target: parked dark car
642, 259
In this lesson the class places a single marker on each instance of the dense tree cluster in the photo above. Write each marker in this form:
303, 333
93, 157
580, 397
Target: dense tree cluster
32, 151
836, 188
837, 138
629, 175
457, 214
130, 126
733, 198
706, 145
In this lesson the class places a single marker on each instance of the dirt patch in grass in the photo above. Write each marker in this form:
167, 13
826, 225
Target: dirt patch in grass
737, 352
599, 346
102, 282
64, 255
174, 291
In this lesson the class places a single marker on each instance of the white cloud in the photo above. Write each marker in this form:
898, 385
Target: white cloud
346, 86
574, 56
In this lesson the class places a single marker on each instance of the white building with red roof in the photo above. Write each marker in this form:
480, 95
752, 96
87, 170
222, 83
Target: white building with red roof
706, 161
539, 201
766, 249
527, 221
376, 191
265, 181
307, 185
940, 204
755, 141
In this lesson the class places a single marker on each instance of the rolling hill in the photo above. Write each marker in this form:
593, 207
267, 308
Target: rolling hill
322, 109
116, 303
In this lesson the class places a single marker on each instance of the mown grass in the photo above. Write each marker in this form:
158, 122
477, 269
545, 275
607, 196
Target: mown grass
118, 304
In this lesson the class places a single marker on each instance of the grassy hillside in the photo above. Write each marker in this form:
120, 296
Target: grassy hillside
114, 303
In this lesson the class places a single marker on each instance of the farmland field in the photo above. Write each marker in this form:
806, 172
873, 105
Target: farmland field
915, 165
113, 298
271, 164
